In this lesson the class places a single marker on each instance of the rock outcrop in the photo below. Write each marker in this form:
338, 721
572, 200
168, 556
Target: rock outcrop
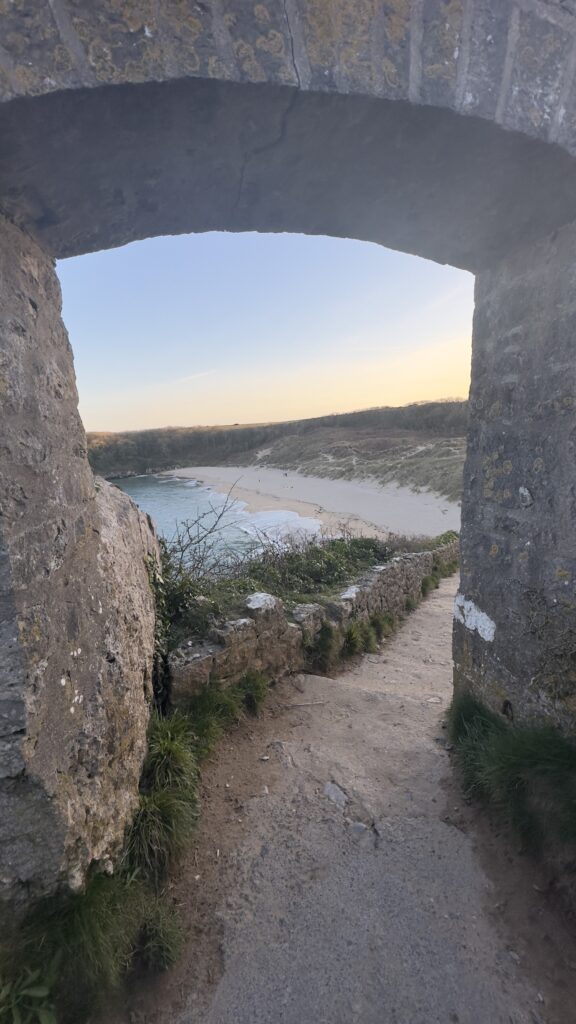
76, 608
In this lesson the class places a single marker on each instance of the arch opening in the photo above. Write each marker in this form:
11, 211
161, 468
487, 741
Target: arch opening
94, 168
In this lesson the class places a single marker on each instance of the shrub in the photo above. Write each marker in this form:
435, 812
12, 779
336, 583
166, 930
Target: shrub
410, 604
254, 688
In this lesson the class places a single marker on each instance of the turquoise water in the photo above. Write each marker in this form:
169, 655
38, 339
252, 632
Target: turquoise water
172, 500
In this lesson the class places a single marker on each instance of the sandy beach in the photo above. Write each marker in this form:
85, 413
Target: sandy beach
365, 506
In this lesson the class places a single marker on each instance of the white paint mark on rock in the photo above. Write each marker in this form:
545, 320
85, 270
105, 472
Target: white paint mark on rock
474, 618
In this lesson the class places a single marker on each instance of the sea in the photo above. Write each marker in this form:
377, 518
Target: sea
172, 501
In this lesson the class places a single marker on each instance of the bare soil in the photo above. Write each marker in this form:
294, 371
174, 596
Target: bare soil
339, 875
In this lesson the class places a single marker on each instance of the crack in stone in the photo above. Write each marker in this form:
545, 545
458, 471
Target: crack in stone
294, 64
265, 148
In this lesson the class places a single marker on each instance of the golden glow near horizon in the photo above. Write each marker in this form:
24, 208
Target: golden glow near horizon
221, 328
352, 381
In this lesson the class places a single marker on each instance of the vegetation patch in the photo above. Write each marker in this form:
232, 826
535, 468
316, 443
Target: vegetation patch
323, 655
73, 951
527, 772
297, 571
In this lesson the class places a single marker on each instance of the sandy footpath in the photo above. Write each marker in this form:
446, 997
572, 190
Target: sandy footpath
340, 878
362, 504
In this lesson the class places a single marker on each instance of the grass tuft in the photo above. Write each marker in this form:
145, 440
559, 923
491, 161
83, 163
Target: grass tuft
254, 689
369, 638
429, 583
383, 625
210, 712
80, 945
161, 937
324, 653
527, 772
170, 761
160, 831
410, 604
353, 641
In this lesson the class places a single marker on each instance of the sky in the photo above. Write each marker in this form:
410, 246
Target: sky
246, 328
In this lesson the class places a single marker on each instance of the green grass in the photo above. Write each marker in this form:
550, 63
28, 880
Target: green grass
161, 937
170, 761
368, 637
353, 642
429, 583
254, 689
210, 711
72, 951
323, 655
527, 772
90, 936
383, 625
160, 831
77, 949
410, 604
27, 998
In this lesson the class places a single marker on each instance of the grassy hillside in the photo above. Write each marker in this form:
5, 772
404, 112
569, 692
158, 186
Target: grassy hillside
421, 445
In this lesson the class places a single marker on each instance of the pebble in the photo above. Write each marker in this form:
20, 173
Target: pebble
335, 794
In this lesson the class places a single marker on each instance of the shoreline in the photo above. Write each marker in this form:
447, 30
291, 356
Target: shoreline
361, 505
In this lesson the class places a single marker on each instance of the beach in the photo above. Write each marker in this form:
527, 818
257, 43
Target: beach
362, 505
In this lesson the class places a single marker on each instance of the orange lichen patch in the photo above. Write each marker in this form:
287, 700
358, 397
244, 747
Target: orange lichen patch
391, 74
397, 15
32, 42
442, 29
248, 62
272, 43
261, 13
322, 20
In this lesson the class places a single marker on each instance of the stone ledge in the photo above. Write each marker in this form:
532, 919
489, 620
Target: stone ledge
273, 641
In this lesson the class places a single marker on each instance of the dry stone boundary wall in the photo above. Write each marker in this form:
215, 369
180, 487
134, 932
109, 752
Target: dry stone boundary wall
275, 641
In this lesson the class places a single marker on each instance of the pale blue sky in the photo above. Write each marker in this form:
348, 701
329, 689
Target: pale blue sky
222, 328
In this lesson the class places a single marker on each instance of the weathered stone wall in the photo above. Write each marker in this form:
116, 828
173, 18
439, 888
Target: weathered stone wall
423, 125
274, 641
515, 626
507, 60
76, 610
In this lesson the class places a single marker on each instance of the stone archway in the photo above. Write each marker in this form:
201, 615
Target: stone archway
444, 128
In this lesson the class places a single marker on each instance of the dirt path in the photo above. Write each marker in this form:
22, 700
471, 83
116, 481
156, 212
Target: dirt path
340, 878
